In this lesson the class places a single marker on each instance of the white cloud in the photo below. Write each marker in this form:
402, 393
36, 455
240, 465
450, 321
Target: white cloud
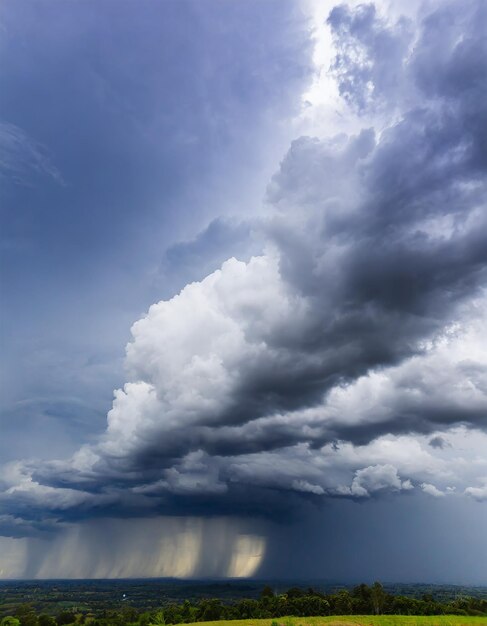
431, 490
478, 493
376, 478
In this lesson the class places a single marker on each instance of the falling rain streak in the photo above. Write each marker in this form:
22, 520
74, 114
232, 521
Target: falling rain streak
172, 547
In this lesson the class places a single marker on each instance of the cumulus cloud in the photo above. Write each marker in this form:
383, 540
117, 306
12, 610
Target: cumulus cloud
332, 364
478, 493
376, 478
431, 490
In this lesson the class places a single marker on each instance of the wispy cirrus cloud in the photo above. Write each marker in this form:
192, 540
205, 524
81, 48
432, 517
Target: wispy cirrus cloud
22, 158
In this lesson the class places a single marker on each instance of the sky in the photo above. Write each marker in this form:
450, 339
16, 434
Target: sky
243, 289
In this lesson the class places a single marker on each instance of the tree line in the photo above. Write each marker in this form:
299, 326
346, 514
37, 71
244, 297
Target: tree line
361, 600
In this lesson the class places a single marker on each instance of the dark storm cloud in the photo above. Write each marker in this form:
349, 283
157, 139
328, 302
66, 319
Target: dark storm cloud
17, 527
438, 442
242, 384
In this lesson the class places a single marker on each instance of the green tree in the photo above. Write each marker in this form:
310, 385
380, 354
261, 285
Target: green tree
144, 619
378, 596
157, 619
267, 592
27, 616
210, 610
10, 621
342, 603
65, 617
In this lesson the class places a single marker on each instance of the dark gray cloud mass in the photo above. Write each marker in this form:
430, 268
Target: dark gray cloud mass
325, 365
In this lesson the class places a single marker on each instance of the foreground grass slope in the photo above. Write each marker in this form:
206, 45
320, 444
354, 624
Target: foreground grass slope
356, 620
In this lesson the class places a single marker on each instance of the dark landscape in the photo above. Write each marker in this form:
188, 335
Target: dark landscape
127, 601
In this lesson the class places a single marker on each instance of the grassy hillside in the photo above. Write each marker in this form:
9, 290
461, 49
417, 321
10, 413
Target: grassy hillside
359, 620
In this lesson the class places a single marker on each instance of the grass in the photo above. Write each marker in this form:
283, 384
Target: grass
356, 620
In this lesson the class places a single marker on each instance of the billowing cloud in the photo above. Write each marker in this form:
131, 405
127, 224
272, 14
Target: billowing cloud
376, 478
478, 493
431, 490
338, 361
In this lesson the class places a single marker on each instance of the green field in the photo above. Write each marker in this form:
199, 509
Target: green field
359, 620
